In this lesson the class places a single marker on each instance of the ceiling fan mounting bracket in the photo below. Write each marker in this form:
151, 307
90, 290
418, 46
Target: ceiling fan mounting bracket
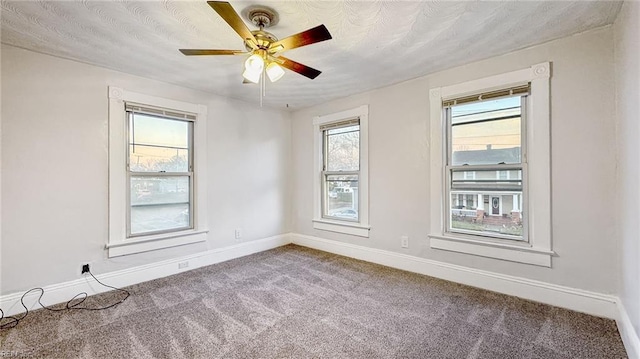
261, 16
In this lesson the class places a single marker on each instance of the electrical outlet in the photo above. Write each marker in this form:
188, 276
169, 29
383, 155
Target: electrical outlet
183, 265
404, 241
238, 233
85, 268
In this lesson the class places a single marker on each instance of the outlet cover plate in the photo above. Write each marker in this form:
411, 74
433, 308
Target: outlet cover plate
404, 241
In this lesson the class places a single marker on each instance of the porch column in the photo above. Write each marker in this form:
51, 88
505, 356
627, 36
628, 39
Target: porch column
480, 201
480, 209
515, 211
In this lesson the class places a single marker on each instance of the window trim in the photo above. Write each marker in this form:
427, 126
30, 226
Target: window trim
118, 242
538, 250
357, 228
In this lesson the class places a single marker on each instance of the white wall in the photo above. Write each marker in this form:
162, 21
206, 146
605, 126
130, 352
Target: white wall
54, 169
0, 173
583, 162
627, 46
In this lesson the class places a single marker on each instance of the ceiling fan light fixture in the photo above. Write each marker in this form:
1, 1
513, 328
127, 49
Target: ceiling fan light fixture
253, 76
254, 64
274, 71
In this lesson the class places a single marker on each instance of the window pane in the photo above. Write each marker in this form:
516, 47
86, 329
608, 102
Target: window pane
153, 218
487, 205
148, 191
159, 203
487, 132
157, 144
343, 149
157, 159
341, 197
159, 131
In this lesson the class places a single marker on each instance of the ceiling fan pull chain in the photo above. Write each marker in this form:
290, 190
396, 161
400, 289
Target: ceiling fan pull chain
261, 87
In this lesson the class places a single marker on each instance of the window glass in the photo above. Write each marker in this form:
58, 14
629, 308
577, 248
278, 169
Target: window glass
485, 170
487, 132
159, 218
341, 196
160, 202
151, 191
157, 144
341, 172
343, 149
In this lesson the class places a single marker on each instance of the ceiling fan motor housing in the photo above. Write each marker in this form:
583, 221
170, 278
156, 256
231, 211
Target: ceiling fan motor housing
263, 38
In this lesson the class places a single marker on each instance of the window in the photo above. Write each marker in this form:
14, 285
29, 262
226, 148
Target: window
498, 129
159, 171
469, 202
157, 158
503, 175
341, 169
485, 138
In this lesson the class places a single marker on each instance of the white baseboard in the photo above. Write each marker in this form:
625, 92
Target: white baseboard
597, 304
628, 333
62, 292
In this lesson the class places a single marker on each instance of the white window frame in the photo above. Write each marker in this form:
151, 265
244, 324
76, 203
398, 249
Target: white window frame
118, 243
537, 250
361, 227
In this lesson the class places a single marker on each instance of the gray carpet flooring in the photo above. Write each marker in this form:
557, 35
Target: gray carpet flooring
294, 302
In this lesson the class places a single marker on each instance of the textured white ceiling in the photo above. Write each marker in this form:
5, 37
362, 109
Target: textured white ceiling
375, 43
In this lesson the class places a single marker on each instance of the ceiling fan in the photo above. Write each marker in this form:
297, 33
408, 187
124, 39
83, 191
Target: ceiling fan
264, 48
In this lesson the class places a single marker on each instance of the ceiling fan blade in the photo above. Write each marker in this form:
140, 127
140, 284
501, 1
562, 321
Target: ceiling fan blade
198, 52
225, 10
303, 70
308, 37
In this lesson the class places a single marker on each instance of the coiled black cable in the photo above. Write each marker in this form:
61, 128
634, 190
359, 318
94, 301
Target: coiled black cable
12, 321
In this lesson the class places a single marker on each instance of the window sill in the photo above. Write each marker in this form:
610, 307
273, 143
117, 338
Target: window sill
352, 228
509, 252
158, 241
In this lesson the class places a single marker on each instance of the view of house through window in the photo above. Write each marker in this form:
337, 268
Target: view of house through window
341, 170
160, 174
485, 168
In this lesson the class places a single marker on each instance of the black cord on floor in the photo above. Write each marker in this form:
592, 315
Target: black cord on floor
12, 321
